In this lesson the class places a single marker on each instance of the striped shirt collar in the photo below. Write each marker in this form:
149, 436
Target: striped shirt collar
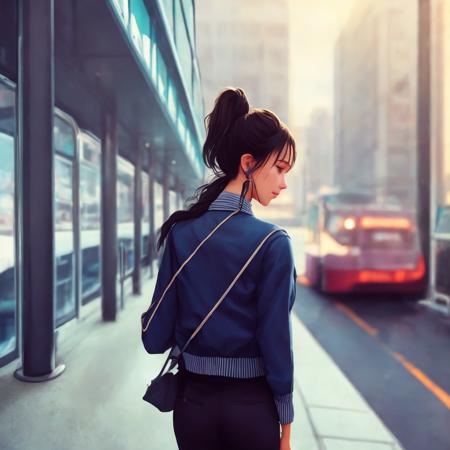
229, 201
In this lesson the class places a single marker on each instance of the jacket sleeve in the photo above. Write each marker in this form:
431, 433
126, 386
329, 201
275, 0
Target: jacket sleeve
276, 296
158, 329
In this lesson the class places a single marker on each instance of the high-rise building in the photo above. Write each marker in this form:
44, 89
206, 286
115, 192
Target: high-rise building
375, 100
318, 151
245, 45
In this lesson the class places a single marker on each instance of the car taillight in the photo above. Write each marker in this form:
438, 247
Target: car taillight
393, 276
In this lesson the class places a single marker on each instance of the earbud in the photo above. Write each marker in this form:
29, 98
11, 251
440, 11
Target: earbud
247, 171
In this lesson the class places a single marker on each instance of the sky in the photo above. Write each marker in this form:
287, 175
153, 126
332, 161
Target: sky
314, 26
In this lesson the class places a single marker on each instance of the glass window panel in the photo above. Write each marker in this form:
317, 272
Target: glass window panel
442, 263
146, 51
64, 245
125, 212
90, 218
64, 137
159, 213
181, 124
189, 149
154, 62
183, 48
168, 11
189, 15
121, 7
8, 294
197, 97
148, 47
172, 101
172, 201
162, 75
145, 223
443, 220
139, 24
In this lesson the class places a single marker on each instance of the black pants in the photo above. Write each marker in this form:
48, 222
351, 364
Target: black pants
221, 413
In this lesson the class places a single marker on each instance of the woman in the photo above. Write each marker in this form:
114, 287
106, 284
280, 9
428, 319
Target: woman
237, 373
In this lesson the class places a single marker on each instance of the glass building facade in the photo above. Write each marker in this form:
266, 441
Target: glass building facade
90, 216
164, 76
176, 25
125, 213
145, 221
64, 135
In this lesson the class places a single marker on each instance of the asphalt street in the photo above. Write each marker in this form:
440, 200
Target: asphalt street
395, 351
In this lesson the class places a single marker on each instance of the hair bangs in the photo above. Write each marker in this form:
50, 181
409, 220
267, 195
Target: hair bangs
286, 146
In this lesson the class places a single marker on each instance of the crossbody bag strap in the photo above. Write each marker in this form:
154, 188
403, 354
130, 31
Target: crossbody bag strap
175, 353
222, 298
156, 304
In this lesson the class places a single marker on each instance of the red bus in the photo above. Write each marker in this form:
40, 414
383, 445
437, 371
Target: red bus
354, 244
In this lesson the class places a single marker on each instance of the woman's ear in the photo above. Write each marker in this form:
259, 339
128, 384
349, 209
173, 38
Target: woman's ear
247, 161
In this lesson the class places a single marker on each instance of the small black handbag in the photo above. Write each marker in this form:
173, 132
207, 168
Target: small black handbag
162, 390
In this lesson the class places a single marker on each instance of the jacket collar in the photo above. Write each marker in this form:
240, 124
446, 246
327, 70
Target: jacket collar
229, 201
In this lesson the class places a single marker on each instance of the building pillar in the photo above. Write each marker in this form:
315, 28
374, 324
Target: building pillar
423, 133
109, 213
36, 89
137, 218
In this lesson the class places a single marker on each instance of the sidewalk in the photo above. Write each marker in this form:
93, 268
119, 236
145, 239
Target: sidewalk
330, 412
96, 404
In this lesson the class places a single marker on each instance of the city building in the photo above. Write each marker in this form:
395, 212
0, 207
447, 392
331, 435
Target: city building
375, 100
245, 46
440, 152
248, 47
101, 127
318, 149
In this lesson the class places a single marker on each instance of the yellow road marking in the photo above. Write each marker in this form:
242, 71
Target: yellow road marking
417, 373
360, 322
414, 371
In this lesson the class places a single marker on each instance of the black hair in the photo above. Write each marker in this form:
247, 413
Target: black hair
233, 129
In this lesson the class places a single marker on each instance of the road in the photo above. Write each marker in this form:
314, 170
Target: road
395, 351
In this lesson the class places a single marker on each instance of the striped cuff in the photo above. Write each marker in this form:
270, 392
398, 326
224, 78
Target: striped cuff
285, 408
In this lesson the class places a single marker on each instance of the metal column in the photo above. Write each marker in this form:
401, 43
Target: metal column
109, 213
137, 219
423, 131
36, 85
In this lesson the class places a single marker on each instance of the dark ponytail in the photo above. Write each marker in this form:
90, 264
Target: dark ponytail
232, 130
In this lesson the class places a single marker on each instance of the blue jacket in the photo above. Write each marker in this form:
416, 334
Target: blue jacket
249, 335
